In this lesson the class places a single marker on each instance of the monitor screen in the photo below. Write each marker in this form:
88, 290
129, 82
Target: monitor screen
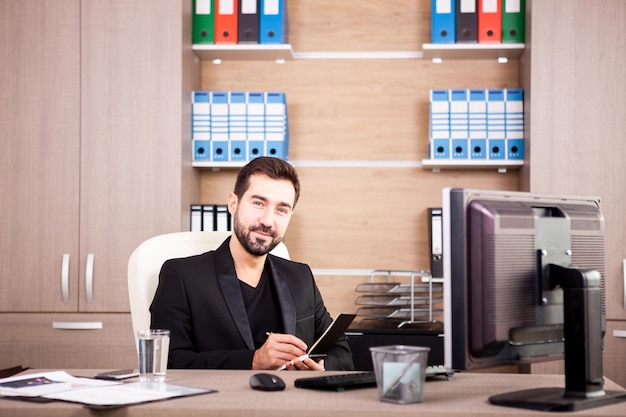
523, 273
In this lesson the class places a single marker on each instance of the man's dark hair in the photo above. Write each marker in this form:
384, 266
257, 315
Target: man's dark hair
274, 168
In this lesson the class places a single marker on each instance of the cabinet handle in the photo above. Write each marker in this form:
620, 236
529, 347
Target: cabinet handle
619, 333
89, 278
65, 278
77, 325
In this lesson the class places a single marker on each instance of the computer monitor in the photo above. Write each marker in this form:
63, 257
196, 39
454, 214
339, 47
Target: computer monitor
523, 283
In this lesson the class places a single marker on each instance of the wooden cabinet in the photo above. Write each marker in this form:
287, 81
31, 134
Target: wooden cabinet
575, 73
94, 103
132, 177
65, 341
40, 158
614, 360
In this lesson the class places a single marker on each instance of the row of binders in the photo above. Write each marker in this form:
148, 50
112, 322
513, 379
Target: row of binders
478, 21
240, 21
239, 126
210, 217
477, 124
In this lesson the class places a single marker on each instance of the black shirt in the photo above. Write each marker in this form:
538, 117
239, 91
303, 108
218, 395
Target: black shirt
262, 307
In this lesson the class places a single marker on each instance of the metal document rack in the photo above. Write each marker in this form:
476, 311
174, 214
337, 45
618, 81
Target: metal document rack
402, 297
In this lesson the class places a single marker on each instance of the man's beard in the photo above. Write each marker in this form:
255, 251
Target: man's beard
256, 247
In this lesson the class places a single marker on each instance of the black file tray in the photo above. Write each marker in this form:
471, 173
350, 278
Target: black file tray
402, 297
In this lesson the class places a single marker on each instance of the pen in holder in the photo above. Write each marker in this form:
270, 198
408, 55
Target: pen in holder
400, 372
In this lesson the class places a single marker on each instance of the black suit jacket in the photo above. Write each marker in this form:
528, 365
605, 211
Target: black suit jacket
199, 300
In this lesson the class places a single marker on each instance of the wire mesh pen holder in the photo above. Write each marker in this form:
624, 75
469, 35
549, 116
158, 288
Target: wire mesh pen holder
398, 301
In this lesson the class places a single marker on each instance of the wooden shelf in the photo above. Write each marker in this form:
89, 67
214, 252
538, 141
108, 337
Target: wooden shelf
243, 52
284, 52
218, 165
501, 166
432, 164
320, 164
494, 51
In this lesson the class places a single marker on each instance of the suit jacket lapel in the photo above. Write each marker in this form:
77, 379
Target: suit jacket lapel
229, 283
287, 305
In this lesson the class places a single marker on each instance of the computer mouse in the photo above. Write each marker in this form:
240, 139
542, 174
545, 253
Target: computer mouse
266, 382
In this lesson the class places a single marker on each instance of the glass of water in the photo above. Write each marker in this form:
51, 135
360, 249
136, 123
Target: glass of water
153, 347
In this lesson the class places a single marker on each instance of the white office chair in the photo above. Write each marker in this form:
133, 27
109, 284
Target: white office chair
146, 260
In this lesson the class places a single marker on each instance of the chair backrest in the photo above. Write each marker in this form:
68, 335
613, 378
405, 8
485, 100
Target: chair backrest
146, 260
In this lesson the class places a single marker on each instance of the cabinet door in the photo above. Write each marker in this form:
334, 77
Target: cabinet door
614, 361
39, 161
130, 138
48, 341
577, 122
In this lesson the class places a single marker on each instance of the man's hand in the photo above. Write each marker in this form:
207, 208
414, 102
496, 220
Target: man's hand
277, 350
307, 364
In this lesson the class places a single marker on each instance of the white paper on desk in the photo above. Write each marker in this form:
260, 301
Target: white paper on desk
41, 384
126, 394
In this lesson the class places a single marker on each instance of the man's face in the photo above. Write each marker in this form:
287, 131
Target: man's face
262, 215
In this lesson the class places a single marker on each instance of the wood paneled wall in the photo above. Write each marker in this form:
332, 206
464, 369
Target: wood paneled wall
360, 109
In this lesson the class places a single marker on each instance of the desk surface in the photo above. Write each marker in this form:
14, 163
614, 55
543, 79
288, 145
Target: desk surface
465, 395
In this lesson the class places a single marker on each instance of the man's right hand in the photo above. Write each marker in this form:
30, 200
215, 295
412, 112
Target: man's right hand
278, 349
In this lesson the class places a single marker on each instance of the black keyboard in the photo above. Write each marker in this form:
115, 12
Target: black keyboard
338, 382
361, 379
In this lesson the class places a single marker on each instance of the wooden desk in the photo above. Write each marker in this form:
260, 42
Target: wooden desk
465, 395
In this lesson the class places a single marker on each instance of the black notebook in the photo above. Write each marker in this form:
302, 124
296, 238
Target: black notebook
328, 339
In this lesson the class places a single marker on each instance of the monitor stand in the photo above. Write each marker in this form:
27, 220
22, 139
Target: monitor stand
554, 399
582, 304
